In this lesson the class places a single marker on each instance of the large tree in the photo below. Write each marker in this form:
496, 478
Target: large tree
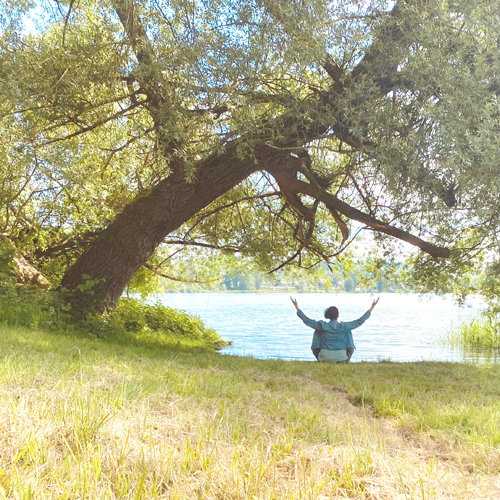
274, 129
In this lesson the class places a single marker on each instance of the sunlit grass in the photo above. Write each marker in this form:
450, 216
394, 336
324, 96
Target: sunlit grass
481, 333
83, 417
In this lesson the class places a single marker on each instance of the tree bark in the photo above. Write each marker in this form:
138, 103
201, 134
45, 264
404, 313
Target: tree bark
97, 280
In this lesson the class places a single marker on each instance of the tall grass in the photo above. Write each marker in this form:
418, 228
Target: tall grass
481, 333
132, 320
84, 417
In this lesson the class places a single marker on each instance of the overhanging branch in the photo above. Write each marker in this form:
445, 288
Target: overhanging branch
201, 244
295, 186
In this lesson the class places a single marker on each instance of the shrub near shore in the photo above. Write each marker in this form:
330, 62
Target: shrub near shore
122, 417
131, 321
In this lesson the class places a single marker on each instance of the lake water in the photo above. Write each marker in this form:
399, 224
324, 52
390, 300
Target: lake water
403, 327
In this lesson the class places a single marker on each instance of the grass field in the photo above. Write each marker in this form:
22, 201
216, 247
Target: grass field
83, 418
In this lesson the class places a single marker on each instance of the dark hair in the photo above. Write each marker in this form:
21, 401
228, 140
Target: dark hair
331, 313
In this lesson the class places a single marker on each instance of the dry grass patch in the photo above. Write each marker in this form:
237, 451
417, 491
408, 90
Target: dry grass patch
116, 423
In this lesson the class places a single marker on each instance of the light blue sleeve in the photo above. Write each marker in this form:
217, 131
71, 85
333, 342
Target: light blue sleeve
351, 325
309, 322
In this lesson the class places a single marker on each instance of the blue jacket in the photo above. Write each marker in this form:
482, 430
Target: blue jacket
334, 335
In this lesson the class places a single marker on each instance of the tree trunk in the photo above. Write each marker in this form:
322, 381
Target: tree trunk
97, 280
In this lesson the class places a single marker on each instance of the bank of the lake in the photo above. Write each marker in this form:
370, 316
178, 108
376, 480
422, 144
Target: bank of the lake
88, 418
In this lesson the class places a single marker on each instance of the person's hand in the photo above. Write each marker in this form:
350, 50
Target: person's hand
374, 303
294, 302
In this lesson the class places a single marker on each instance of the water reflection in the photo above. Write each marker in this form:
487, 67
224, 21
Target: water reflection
403, 327
480, 355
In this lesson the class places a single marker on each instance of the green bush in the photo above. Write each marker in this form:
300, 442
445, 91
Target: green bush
32, 307
29, 306
136, 317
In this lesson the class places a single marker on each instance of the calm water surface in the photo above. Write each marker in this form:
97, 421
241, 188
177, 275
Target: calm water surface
403, 327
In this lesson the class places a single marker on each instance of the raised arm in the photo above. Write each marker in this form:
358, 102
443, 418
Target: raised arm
307, 321
374, 303
351, 325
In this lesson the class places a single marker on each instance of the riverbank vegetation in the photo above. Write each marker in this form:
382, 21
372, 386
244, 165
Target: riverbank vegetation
116, 417
131, 321
481, 333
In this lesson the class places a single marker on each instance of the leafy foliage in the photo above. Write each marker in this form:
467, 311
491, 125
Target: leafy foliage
388, 107
31, 307
140, 318
133, 320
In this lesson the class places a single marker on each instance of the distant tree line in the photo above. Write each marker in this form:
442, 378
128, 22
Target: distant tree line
359, 278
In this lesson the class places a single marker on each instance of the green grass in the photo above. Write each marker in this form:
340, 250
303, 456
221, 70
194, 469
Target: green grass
481, 333
133, 321
146, 417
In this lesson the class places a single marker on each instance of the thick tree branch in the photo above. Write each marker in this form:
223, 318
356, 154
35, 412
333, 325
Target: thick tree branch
150, 76
341, 224
129, 17
296, 186
283, 178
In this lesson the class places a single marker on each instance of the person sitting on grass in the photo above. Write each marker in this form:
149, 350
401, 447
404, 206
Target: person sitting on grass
333, 341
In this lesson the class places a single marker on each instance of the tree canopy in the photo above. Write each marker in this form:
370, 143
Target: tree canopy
274, 130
